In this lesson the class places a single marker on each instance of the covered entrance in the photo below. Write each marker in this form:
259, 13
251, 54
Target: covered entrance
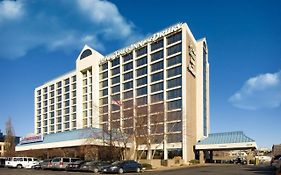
224, 142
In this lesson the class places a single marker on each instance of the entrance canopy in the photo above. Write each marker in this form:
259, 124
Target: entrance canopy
226, 141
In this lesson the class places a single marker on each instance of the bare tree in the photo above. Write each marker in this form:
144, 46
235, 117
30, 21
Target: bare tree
9, 139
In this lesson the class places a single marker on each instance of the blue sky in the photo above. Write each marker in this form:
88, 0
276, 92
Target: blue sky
40, 40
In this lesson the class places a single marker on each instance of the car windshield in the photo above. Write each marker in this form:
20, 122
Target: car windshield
116, 163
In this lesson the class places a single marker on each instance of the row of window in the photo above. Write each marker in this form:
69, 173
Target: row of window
58, 84
142, 81
142, 51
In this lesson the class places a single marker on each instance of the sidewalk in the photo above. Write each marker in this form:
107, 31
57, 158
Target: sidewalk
164, 168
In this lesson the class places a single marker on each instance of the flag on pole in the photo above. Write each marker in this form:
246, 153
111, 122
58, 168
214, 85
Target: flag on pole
116, 102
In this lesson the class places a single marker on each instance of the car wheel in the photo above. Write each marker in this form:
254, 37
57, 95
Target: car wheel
120, 171
96, 170
19, 166
138, 170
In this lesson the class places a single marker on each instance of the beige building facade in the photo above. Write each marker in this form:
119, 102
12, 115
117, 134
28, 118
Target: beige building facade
165, 76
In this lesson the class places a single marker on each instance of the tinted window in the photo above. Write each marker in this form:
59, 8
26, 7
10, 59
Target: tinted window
65, 160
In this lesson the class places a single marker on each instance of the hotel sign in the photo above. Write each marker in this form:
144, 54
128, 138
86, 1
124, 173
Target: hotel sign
31, 138
142, 43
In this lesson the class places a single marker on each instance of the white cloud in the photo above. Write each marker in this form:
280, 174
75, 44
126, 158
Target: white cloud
68, 26
106, 14
10, 10
262, 91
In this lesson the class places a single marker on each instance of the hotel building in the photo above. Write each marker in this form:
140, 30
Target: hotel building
161, 82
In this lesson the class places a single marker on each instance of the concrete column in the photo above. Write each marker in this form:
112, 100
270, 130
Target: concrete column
165, 152
201, 157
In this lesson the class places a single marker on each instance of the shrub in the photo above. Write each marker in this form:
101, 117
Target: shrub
147, 166
194, 161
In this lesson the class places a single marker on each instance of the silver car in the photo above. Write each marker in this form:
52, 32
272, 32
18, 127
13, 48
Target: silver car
62, 162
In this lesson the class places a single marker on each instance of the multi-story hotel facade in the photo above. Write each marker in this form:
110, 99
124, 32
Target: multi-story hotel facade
161, 82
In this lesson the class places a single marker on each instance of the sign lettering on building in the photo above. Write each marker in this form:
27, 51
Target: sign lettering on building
142, 43
31, 138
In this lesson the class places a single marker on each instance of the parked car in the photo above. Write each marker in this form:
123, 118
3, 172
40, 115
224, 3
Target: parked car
2, 161
74, 166
44, 164
240, 160
94, 166
62, 162
21, 162
275, 161
123, 166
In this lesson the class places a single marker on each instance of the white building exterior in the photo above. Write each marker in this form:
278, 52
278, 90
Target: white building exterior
168, 70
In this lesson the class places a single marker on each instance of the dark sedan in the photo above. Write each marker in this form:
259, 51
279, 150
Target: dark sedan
94, 166
74, 166
123, 166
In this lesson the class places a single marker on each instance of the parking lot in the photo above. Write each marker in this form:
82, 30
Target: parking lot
204, 170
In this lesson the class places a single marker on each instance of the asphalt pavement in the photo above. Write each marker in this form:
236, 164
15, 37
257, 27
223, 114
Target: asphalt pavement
204, 170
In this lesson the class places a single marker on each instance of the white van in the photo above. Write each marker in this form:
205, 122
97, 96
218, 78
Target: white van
21, 162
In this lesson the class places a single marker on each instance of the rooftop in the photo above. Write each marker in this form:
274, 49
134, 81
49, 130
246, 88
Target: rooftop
226, 137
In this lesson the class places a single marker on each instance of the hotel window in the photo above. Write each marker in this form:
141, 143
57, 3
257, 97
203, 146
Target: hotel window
74, 124
66, 81
73, 78
174, 127
73, 93
73, 108
174, 60
115, 89
59, 120
66, 118
115, 107
104, 84
52, 94
103, 75
174, 105
128, 85
127, 57
157, 108
58, 112
52, 100
66, 111
45, 96
59, 84
174, 38
115, 71
52, 121
45, 103
141, 91
157, 66
104, 109
52, 114
128, 104
66, 103
157, 77
85, 82
156, 56
104, 101
45, 89
128, 76
141, 51
104, 66
73, 116
52, 107
58, 91
115, 62
142, 71
84, 90
115, 97
157, 45
74, 86
104, 92
66, 125
157, 97
172, 138
59, 98
128, 66
142, 61
66, 89
174, 82
142, 101
128, 94
174, 49
175, 115
39, 92
174, 93
174, 71
142, 81
52, 87
157, 87
74, 101
115, 80
66, 96
59, 126
85, 98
